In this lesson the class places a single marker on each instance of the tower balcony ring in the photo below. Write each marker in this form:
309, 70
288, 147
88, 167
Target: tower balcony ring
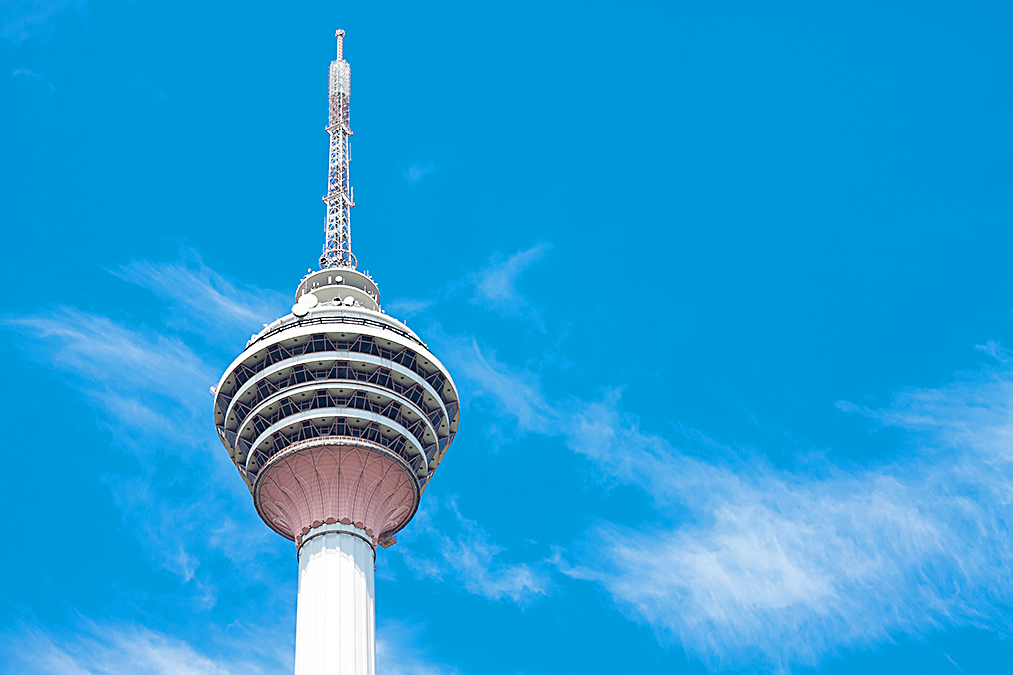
305, 359
241, 429
346, 413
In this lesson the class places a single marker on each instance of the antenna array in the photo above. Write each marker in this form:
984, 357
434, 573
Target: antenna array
338, 238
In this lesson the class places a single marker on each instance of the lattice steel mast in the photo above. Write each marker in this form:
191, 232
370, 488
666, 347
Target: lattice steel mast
338, 228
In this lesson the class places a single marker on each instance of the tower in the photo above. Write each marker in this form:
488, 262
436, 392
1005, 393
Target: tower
336, 417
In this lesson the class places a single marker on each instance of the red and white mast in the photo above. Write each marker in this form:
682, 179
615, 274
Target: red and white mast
338, 238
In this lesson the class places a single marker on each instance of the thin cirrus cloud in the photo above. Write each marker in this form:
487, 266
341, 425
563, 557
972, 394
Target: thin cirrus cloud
496, 284
202, 300
470, 555
113, 651
493, 287
86, 647
764, 567
32, 76
416, 172
772, 568
400, 651
111, 358
125, 649
150, 387
408, 307
516, 394
24, 19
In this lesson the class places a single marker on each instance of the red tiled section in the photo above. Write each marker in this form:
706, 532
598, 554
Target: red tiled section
336, 483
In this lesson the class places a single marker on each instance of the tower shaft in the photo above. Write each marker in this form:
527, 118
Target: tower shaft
335, 618
338, 237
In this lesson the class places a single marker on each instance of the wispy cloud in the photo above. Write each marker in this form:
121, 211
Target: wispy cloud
995, 350
151, 391
464, 551
23, 19
105, 650
88, 648
493, 287
150, 387
416, 172
398, 652
496, 283
32, 76
113, 359
408, 307
750, 566
514, 394
203, 301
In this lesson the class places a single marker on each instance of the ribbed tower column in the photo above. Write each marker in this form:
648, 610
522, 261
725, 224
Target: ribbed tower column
335, 621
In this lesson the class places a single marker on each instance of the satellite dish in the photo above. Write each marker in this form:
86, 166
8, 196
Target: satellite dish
348, 301
308, 300
338, 280
300, 309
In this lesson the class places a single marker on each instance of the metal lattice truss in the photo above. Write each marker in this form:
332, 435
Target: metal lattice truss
339, 201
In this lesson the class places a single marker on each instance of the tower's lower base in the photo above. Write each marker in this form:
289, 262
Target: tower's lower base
335, 618
336, 480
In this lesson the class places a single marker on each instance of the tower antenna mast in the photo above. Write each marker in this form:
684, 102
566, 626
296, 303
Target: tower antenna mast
338, 229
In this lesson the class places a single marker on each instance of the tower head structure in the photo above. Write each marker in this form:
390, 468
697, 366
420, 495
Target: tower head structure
336, 416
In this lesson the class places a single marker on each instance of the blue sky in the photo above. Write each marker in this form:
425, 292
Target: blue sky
725, 288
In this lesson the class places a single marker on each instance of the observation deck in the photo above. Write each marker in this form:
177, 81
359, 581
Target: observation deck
336, 412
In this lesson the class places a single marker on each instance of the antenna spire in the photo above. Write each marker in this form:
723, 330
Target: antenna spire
338, 231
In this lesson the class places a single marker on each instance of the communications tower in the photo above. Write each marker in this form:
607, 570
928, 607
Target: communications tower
336, 416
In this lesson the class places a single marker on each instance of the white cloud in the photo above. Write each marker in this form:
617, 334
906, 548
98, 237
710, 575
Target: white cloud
784, 567
33, 76
114, 359
513, 394
123, 649
22, 19
416, 172
151, 390
146, 384
408, 307
398, 652
205, 302
104, 650
496, 283
995, 350
465, 552
493, 287
750, 566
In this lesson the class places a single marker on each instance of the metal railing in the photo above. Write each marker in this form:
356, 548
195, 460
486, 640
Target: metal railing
322, 320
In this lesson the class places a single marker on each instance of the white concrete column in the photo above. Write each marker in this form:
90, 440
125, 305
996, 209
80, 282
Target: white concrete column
335, 629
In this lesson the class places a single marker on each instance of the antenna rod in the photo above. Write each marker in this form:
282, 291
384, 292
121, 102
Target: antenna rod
338, 229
